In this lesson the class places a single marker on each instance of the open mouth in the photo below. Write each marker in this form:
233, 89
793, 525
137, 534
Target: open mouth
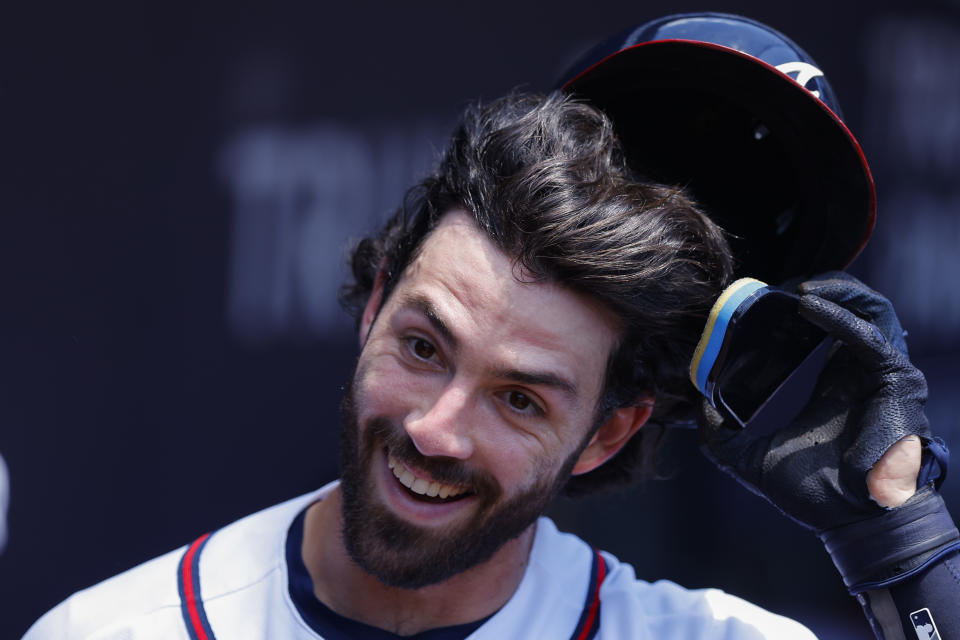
423, 489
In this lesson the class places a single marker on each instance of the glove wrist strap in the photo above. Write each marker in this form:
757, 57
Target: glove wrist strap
893, 546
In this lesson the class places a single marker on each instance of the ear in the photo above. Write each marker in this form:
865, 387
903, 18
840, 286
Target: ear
372, 307
613, 434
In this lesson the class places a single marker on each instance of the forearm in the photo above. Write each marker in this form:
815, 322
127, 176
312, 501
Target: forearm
904, 569
927, 602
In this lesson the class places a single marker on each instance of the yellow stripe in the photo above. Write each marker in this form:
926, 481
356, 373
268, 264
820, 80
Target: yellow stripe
712, 320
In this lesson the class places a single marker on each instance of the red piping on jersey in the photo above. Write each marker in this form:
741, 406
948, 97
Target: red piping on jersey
594, 605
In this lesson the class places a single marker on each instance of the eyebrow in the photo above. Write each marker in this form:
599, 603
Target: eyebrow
425, 306
540, 378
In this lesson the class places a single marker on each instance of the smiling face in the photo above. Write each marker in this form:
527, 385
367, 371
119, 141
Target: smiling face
471, 402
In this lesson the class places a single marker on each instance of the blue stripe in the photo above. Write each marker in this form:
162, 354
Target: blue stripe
591, 590
184, 609
712, 349
195, 583
196, 590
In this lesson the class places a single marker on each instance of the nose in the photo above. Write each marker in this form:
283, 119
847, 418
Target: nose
441, 428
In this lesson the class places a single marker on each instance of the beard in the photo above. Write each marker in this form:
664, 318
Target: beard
403, 555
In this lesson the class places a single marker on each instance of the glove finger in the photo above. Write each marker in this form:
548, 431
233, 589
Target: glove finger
848, 292
863, 338
735, 450
788, 467
888, 416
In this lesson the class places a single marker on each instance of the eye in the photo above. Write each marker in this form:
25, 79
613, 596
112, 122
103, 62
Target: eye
421, 348
522, 403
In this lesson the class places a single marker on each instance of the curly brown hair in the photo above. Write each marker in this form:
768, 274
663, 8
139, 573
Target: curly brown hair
545, 178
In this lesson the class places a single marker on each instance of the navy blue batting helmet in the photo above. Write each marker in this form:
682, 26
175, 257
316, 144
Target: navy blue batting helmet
745, 119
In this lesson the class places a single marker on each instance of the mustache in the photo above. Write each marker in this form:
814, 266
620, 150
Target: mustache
443, 470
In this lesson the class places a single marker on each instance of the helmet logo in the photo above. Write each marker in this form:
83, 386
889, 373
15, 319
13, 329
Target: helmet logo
805, 73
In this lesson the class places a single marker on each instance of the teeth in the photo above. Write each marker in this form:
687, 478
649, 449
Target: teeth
419, 485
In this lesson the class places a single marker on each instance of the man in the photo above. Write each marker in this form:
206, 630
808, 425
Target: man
527, 312
520, 320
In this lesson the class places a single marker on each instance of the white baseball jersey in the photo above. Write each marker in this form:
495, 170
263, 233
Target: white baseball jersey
236, 584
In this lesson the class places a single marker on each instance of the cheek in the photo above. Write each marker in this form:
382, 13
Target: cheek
386, 388
520, 459
542, 458
516, 470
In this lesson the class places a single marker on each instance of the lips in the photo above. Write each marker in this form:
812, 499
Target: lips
418, 484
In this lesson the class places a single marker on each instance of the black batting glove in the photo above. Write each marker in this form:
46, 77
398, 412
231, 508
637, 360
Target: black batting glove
868, 397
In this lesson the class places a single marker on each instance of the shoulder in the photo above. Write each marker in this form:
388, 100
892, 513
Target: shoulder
669, 610
145, 601
633, 608
146, 594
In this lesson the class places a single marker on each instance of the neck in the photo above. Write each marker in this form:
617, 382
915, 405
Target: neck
466, 597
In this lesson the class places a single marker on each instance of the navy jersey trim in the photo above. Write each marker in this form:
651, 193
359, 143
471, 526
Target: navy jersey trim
589, 622
191, 600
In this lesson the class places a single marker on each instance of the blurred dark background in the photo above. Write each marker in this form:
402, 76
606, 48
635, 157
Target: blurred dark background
177, 185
